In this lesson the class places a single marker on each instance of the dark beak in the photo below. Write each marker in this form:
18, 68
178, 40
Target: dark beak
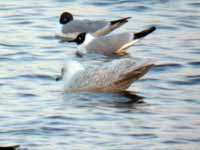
75, 40
58, 78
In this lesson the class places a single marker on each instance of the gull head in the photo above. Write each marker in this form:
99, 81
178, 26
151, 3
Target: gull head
79, 39
65, 18
69, 69
83, 38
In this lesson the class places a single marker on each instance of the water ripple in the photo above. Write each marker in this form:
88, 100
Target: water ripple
36, 76
162, 112
166, 67
195, 63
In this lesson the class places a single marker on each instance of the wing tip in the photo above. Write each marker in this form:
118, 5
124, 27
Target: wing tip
144, 33
123, 20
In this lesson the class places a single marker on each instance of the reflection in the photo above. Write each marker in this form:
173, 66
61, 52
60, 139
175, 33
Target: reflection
88, 99
132, 99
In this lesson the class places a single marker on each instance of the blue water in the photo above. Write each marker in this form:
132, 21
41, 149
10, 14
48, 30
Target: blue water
36, 114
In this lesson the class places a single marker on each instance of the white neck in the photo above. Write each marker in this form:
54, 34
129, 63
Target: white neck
59, 28
72, 68
88, 38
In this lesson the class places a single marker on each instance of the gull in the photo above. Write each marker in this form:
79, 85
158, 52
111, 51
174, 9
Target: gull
110, 44
69, 27
113, 76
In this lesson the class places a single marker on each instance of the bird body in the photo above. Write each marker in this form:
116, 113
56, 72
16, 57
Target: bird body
110, 44
114, 76
69, 28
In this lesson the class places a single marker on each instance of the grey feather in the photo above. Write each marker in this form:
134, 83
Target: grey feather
78, 26
109, 44
110, 76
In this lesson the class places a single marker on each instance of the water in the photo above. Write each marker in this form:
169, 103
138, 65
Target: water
34, 111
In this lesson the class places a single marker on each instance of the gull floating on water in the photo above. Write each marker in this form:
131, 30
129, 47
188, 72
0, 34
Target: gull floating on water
69, 28
114, 76
110, 44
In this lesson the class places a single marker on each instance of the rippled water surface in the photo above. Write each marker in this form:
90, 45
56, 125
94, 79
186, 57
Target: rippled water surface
34, 111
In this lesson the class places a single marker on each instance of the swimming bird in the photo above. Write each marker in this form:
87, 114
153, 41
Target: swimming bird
114, 76
69, 27
110, 44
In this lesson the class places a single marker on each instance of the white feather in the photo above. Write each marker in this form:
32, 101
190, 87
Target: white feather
59, 28
88, 38
70, 69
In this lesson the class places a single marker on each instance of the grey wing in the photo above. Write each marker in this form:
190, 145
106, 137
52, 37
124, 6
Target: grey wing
109, 44
79, 26
95, 25
102, 76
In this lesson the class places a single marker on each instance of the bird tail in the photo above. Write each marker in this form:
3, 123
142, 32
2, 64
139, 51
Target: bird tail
112, 26
142, 34
133, 75
136, 37
120, 21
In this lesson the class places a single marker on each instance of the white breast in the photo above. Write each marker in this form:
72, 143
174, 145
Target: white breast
88, 38
59, 28
72, 68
